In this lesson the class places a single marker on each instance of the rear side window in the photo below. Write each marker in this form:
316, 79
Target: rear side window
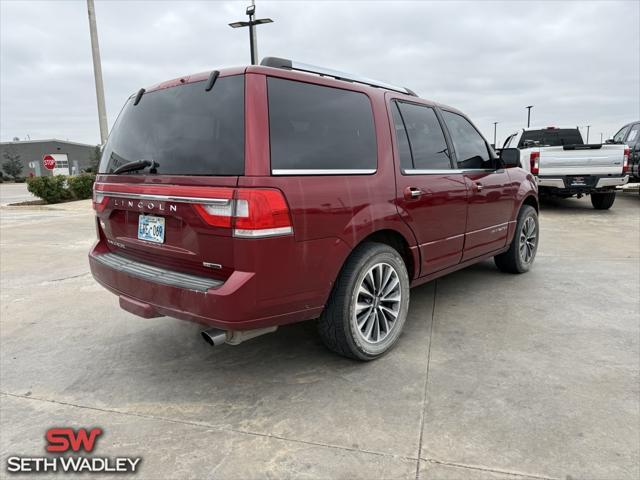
552, 137
426, 139
471, 149
185, 129
318, 128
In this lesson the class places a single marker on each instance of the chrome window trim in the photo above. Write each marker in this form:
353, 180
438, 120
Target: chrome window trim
262, 233
164, 198
337, 171
445, 171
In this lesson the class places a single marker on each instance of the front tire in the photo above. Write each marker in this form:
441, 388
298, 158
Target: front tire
523, 248
368, 306
603, 200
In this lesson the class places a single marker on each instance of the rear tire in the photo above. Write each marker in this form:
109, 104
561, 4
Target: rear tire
523, 248
368, 305
603, 200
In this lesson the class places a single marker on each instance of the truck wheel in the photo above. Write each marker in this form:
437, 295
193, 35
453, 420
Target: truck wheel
523, 248
603, 201
368, 305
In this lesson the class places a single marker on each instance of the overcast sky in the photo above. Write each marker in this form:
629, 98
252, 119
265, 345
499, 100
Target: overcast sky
578, 62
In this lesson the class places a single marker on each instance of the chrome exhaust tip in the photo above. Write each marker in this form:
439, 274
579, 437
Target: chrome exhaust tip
214, 336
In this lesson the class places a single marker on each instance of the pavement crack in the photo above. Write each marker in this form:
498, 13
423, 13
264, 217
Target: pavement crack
214, 427
423, 410
66, 278
489, 469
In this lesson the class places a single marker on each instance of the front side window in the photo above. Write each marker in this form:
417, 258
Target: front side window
508, 140
470, 147
317, 128
184, 129
426, 138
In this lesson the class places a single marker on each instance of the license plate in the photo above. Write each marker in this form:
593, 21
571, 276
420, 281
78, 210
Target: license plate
151, 228
578, 181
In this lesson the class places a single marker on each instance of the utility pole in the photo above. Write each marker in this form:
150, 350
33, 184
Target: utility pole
253, 37
97, 72
600, 137
495, 130
529, 115
588, 127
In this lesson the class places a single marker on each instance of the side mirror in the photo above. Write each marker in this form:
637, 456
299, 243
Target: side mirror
510, 157
609, 141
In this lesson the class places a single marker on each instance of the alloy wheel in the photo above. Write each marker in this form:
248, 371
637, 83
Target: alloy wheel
528, 240
378, 300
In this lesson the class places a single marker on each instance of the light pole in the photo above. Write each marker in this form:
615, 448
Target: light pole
253, 39
97, 72
601, 138
529, 115
588, 127
495, 130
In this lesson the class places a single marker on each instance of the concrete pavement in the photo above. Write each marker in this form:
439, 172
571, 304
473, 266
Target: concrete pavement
14, 193
495, 377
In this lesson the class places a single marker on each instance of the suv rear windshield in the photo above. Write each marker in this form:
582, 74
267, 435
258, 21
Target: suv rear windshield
185, 130
555, 137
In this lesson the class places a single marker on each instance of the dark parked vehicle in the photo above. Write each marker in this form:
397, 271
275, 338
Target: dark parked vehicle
630, 135
248, 198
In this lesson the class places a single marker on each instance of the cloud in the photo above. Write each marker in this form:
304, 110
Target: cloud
578, 63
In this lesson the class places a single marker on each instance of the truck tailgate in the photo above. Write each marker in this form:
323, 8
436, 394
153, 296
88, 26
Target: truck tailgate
606, 160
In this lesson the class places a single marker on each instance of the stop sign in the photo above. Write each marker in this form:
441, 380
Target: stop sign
49, 162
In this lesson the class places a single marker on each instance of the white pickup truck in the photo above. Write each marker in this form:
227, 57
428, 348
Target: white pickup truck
565, 166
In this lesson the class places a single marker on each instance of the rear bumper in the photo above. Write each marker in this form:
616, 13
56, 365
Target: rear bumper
612, 181
592, 183
148, 291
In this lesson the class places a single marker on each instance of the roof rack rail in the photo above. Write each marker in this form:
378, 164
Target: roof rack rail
284, 63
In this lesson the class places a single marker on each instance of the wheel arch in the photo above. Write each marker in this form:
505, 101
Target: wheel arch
398, 242
532, 201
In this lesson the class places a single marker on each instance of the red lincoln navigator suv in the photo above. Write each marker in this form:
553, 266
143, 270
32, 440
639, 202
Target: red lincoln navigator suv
248, 198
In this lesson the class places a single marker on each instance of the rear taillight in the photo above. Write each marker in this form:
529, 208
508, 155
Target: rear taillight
251, 213
218, 215
99, 201
534, 161
261, 213
625, 159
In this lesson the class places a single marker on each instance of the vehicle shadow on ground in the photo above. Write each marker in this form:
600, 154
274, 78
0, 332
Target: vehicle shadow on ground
169, 351
583, 204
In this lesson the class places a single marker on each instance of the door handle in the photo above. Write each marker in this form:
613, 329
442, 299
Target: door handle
412, 193
479, 186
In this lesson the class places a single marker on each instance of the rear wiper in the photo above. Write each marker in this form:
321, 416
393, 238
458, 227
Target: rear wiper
136, 165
